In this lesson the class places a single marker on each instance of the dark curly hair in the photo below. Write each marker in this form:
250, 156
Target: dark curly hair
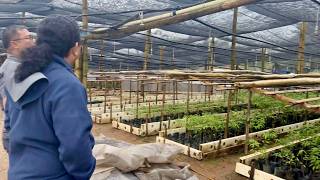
55, 35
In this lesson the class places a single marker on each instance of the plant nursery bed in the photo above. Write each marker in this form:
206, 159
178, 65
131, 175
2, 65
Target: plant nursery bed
297, 160
194, 149
145, 126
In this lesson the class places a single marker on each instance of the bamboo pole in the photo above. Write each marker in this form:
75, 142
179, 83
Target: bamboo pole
105, 101
173, 92
157, 92
137, 98
85, 43
234, 39
147, 49
121, 105
170, 18
188, 97
148, 118
246, 147
211, 53
130, 91
300, 63
293, 91
279, 82
226, 128
163, 102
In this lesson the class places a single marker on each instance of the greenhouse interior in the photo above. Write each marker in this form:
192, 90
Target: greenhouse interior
176, 89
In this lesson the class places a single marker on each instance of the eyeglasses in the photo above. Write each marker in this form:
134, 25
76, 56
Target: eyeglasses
27, 37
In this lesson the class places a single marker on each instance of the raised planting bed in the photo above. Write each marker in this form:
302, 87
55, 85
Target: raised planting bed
126, 106
114, 112
297, 160
151, 126
209, 138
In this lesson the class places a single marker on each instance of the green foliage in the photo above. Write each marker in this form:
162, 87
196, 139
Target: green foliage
269, 137
254, 144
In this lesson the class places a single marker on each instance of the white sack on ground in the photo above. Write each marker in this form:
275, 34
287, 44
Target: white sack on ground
156, 153
117, 157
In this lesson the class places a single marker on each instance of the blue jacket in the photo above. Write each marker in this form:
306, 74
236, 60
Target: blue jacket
50, 128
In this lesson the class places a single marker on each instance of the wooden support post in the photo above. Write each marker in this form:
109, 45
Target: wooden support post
85, 45
226, 128
246, 146
121, 106
191, 88
148, 118
163, 102
130, 90
147, 48
157, 92
234, 40
205, 93
111, 111
211, 53
161, 57
188, 97
300, 63
137, 98
176, 90
263, 59
173, 92
143, 91
105, 101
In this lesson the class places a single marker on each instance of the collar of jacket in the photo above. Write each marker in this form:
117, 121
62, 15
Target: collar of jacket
62, 62
12, 58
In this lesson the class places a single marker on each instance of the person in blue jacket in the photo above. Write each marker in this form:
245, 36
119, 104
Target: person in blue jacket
49, 124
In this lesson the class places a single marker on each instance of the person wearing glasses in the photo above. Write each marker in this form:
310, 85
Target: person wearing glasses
15, 40
50, 125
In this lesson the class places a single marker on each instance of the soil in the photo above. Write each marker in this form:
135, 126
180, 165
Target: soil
218, 168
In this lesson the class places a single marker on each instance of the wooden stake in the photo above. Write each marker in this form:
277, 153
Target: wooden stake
121, 106
105, 101
163, 102
226, 128
111, 111
300, 63
147, 49
148, 118
211, 53
130, 90
246, 146
137, 100
157, 92
173, 92
85, 45
234, 39
188, 97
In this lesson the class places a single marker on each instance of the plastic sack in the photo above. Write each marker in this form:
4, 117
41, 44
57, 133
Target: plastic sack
117, 157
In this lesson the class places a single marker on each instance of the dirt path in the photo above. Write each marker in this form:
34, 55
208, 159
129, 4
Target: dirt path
219, 169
